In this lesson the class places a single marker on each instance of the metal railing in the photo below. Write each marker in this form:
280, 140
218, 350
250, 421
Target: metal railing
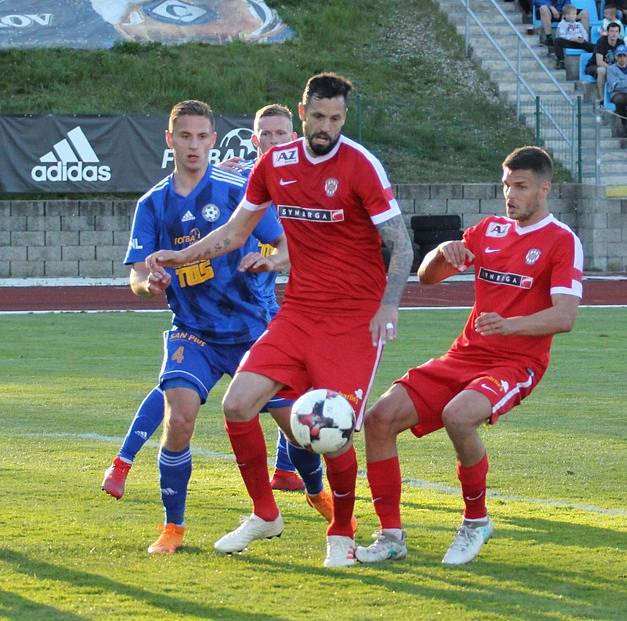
556, 121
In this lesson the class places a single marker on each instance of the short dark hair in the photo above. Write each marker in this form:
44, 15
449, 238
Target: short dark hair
190, 107
327, 86
530, 158
613, 25
273, 110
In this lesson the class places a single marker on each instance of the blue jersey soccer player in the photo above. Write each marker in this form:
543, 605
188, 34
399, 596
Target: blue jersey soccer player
213, 303
270, 129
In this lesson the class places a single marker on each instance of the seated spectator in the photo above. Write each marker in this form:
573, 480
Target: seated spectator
549, 11
570, 33
602, 57
617, 84
610, 15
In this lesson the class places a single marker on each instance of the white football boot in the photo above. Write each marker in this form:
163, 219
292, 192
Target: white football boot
467, 543
340, 551
251, 528
385, 548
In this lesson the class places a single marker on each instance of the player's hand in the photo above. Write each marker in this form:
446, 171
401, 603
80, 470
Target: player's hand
232, 165
492, 324
157, 284
156, 261
455, 253
255, 262
384, 324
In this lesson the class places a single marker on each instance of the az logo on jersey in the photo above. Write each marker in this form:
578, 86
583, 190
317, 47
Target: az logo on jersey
285, 158
497, 229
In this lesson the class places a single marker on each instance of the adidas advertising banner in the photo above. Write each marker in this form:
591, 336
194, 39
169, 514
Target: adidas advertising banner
99, 153
102, 23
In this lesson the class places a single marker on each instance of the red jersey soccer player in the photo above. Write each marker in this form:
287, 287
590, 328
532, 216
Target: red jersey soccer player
528, 270
336, 206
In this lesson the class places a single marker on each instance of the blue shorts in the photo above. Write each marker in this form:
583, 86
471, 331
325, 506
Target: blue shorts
191, 362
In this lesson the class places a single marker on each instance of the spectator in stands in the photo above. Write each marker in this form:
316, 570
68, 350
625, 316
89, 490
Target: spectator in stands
549, 11
610, 16
603, 57
617, 84
570, 33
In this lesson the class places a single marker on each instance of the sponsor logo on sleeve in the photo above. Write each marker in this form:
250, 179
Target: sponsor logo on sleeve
285, 157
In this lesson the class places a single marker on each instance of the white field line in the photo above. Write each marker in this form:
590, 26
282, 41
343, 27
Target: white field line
437, 487
158, 310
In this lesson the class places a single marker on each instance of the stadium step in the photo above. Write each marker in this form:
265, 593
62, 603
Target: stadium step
611, 151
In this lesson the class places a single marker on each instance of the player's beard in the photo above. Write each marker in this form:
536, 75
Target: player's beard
319, 149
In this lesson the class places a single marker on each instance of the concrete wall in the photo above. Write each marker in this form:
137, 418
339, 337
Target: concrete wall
88, 238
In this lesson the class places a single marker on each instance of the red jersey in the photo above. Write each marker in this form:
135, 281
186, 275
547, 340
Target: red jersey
329, 206
517, 269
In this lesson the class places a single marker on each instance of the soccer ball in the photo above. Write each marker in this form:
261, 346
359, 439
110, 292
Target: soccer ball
322, 421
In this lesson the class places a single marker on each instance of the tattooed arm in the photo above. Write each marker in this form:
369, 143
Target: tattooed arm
394, 235
225, 238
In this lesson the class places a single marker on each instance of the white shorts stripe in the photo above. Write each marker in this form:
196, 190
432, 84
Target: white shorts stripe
513, 392
364, 402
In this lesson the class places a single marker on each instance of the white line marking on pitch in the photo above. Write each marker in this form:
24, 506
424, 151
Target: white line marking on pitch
157, 310
438, 487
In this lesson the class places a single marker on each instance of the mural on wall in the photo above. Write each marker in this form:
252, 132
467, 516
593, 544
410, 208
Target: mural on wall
102, 23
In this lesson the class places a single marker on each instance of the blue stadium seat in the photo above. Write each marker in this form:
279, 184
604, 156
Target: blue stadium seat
583, 61
591, 7
607, 104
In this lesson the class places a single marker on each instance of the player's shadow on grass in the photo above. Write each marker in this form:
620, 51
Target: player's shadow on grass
75, 579
560, 532
13, 606
477, 590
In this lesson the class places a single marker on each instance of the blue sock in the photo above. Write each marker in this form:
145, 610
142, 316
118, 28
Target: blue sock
148, 417
175, 468
309, 466
282, 460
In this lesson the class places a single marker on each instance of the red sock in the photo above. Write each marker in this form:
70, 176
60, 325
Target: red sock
473, 480
342, 476
384, 477
251, 455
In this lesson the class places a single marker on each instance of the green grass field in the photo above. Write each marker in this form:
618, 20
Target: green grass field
69, 385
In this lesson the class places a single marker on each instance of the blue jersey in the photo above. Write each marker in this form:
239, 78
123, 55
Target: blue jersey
210, 296
266, 280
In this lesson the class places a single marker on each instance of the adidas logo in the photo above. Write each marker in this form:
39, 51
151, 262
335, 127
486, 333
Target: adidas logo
168, 491
71, 159
188, 217
142, 434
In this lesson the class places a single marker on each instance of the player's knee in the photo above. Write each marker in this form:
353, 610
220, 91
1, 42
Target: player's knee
237, 406
380, 421
454, 417
179, 425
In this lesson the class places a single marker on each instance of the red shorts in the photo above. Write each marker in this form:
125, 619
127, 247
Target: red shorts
304, 352
433, 384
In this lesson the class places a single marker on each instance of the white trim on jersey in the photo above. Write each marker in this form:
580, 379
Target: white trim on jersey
576, 289
394, 210
523, 230
514, 391
376, 164
246, 204
227, 177
359, 419
319, 159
